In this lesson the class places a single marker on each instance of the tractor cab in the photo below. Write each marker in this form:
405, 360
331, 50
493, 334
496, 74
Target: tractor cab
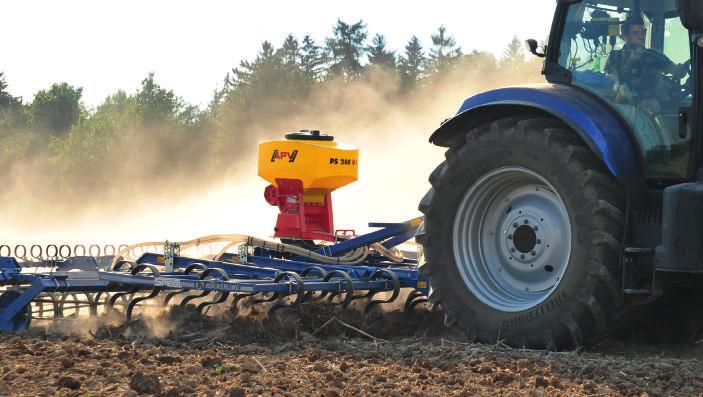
636, 56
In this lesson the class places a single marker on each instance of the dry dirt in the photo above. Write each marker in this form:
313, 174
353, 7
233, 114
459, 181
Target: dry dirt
318, 351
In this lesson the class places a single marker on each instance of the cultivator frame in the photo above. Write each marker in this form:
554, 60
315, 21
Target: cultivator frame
283, 280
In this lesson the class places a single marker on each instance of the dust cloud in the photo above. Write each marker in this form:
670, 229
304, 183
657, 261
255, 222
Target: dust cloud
227, 197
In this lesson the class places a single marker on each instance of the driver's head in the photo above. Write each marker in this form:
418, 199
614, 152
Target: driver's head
633, 30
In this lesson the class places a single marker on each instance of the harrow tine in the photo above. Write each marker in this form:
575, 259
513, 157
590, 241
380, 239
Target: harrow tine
58, 309
94, 304
97, 298
133, 302
382, 274
39, 303
75, 301
54, 303
34, 254
91, 302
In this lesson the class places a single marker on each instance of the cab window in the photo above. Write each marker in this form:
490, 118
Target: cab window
637, 60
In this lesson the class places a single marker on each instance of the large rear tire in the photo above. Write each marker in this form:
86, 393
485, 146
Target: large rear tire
522, 236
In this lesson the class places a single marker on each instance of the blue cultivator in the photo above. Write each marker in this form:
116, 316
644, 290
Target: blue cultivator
245, 267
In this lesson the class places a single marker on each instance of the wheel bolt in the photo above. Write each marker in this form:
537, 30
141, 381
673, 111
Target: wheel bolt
522, 256
535, 228
512, 250
510, 236
515, 225
539, 241
534, 253
526, 221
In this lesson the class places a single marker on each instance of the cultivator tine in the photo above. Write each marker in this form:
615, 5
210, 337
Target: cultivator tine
189, 298
300, 293
188, 270
110, 306
155, 291
123, 297
237, 298
348, 292
222, 296
414, 298
310, 296
387, 275
171, 295
204, 276
270, 298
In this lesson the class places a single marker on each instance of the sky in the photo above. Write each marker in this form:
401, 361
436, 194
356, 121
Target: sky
106, 45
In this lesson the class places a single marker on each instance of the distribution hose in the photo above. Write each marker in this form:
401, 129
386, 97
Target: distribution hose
353, 257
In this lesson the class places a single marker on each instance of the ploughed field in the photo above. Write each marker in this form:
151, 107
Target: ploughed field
316, 350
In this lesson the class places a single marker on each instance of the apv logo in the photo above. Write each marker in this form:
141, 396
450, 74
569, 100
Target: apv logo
284, 155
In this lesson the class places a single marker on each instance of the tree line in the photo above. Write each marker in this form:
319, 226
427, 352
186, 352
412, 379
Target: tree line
154, 130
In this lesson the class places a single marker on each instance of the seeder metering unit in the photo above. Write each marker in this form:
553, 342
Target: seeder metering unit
47, 282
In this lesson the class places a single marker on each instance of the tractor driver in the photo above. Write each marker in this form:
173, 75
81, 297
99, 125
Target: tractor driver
635, 70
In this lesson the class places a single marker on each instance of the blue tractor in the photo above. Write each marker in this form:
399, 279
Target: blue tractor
563, 208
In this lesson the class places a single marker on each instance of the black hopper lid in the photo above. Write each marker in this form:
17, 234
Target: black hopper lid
309, 135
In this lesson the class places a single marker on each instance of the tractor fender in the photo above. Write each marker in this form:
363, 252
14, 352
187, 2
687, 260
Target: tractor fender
597, 123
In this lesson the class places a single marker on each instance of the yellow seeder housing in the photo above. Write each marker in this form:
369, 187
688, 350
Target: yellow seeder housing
303, 170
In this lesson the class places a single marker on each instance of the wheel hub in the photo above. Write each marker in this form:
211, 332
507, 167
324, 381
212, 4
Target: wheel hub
512, 239
524, 238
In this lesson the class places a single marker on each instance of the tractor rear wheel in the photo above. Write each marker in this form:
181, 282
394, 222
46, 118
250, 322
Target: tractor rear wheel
522, 236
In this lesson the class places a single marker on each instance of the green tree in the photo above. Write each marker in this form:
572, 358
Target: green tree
5, 98
57, 109
290, 50
514, 50
443, 51
89, 150
12, 114
346, 49
379, 54
411, 63
312, 59
483, 63
265, 82
157, 104
268, 61
513, 56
